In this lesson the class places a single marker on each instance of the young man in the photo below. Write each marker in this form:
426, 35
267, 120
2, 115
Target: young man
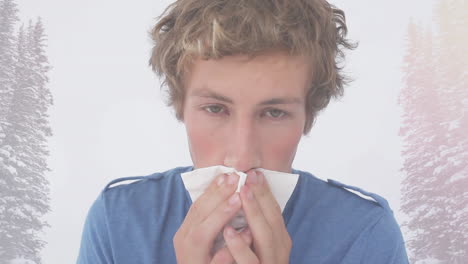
247, 78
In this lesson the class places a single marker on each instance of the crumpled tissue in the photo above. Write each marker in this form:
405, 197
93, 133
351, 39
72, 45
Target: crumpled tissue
281, 185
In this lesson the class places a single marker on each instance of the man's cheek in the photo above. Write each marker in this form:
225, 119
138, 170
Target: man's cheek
283, 150
205, 148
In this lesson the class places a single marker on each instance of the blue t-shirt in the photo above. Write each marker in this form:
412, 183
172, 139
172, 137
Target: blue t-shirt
135, 223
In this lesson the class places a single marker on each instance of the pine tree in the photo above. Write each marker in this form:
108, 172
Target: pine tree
422, 136
15, 184
452, 60
8, 18
435, 104
39, 190
27, 188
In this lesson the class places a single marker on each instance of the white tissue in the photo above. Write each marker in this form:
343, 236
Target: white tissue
281, 185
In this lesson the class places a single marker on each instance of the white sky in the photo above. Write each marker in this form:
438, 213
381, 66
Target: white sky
109, 119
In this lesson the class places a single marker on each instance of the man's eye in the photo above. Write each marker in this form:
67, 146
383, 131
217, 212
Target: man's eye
214, 109
276, 113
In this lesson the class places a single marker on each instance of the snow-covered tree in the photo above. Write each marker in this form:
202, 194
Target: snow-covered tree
452, 61
26, 187
434, 130
422, 136
8, 19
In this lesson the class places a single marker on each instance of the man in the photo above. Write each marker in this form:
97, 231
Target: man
247, 78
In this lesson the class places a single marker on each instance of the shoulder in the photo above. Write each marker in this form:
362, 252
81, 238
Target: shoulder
119, 216
330, 202
141, 192
369, 196
126, 182
137, 184
341, 193
369, 220
131, 198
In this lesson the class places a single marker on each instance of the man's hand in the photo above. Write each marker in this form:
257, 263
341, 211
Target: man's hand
205, 219
271, 241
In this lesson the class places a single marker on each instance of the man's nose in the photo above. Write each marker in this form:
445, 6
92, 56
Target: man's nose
242, 152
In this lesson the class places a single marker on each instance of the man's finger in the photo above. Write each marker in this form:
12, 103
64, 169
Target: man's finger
240, 250
219, 190
247, 236
267, 202
262, 233
212, 225
224, 256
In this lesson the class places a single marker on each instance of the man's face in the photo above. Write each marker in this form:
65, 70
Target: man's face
244, 113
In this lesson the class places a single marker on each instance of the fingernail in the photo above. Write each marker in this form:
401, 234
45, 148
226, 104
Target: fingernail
230, 232
252, 177
234, 199
232, 179
221, 179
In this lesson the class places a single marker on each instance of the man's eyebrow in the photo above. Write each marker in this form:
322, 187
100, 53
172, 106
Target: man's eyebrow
210, 94
273, 101
285, 100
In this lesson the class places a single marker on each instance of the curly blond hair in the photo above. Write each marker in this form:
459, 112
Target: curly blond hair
211, 29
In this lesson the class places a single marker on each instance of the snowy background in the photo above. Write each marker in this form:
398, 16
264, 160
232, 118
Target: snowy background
109, 119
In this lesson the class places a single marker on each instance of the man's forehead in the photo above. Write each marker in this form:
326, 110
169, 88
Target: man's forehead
205, 92
282, 79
